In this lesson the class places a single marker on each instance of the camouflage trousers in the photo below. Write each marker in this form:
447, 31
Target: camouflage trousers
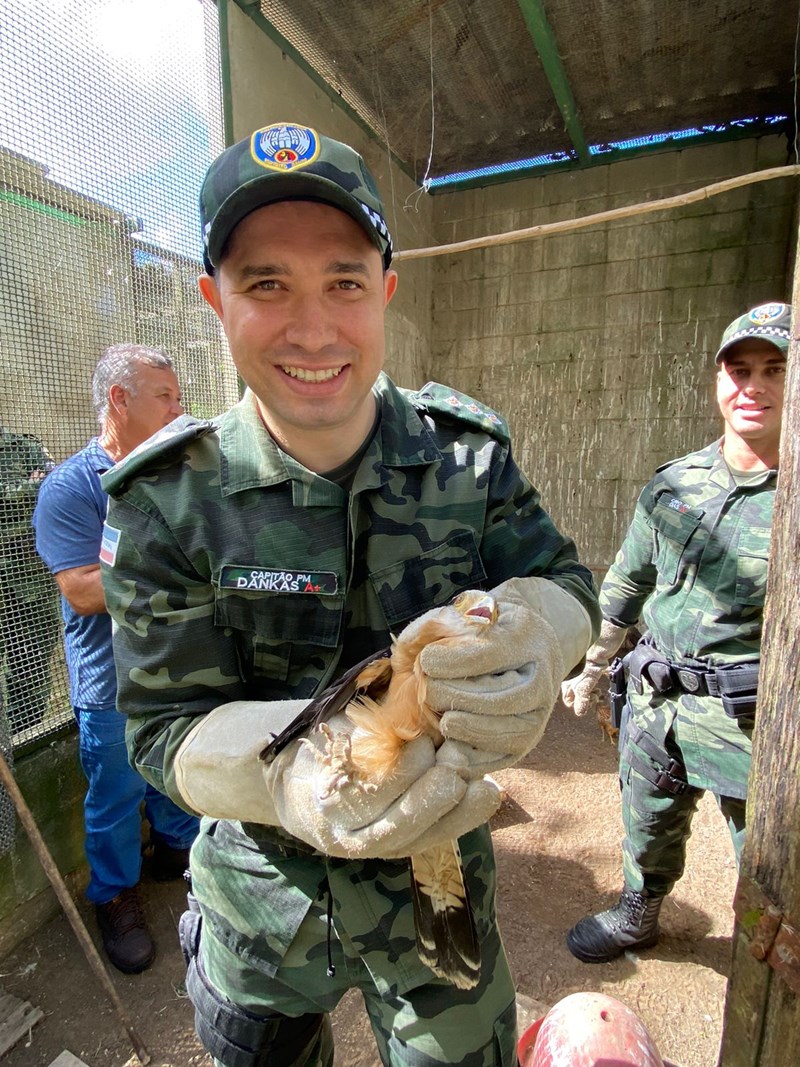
711, 751
283, 1011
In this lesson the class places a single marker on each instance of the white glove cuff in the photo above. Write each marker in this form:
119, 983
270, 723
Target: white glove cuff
607, 644
217, 769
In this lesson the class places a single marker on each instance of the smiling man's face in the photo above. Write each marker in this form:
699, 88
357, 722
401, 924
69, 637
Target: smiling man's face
301, 293
750, 385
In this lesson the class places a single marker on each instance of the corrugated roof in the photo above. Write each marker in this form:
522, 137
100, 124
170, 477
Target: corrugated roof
495, 81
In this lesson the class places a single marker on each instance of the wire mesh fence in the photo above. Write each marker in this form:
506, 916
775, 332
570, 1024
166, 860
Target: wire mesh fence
110, 112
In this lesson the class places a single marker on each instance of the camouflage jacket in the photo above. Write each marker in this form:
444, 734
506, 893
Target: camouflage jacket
693, 564
232, 572
239, 574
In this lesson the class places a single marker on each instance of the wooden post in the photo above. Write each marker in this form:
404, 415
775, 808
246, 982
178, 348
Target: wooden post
762, 1010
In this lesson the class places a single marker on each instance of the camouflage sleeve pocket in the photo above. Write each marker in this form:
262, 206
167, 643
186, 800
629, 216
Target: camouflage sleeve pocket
673, 525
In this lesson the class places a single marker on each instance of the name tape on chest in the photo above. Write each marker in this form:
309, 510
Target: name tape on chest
677, 505
262, 580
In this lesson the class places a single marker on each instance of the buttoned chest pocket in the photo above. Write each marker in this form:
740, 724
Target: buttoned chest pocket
278, 632
751, 568
411, 586
672, 532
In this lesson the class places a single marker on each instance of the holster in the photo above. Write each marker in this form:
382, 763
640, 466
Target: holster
618, 691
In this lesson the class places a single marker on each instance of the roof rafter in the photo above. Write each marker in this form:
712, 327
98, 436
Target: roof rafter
545, 42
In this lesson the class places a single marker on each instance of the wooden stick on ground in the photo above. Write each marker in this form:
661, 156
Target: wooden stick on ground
546, 229
67, 903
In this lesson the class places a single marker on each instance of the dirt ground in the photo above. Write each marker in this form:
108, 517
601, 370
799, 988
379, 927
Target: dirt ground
557, 843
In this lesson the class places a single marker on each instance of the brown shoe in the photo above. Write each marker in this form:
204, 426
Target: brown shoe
168, 863
126, 939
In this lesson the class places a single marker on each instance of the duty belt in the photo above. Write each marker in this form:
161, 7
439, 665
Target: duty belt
736, 685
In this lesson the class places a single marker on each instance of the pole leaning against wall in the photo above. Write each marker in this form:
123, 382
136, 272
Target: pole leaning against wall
76, 922
762, 1010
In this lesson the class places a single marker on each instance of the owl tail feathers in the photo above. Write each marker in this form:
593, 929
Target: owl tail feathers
447, 940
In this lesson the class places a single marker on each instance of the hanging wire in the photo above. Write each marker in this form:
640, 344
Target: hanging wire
425, 180
433, 97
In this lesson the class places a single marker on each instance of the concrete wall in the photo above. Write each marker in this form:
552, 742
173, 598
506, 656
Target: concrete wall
52, 783
268, 87
598, 345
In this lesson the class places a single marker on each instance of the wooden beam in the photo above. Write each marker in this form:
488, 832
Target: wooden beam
599, 218
17, 1018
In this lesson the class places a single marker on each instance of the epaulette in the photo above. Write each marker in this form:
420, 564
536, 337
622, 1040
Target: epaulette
701, 457
670, 463
166, 442
436, 399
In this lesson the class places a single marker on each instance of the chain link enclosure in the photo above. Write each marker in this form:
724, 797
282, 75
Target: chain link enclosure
110, 112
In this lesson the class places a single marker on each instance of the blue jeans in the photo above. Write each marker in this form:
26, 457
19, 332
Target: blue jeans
112, 807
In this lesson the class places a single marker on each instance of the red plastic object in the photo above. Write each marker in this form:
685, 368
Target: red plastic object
588, 1030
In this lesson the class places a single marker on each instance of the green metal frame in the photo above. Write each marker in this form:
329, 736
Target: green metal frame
225, 73
545, 42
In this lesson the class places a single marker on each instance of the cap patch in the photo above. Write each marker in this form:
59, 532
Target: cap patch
766, 313
283, 147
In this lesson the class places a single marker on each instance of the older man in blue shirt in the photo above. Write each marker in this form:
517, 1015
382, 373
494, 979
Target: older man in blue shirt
136, 393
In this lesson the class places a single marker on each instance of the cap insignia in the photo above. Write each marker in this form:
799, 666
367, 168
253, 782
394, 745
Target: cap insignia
767, 313
284, 147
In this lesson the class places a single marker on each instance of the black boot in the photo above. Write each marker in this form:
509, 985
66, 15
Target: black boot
631, 923
123, 928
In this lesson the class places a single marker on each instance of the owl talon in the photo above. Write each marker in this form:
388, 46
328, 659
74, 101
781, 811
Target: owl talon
338, 757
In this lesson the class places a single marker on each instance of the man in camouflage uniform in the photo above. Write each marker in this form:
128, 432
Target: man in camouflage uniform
693, 567
28, 598
259, 556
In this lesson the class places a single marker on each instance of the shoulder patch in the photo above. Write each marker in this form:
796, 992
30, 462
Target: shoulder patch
441, 400
155, 449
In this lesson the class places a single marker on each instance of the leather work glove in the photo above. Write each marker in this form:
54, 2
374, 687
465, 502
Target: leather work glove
495, 695
307, 791
577, 693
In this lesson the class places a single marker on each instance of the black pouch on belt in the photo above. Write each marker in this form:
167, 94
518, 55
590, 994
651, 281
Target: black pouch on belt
738, 690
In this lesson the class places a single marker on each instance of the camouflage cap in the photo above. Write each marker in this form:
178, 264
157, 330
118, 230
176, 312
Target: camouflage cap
286, 161
769, 322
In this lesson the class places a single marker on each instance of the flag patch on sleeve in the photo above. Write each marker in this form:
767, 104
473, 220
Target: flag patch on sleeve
109, 545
